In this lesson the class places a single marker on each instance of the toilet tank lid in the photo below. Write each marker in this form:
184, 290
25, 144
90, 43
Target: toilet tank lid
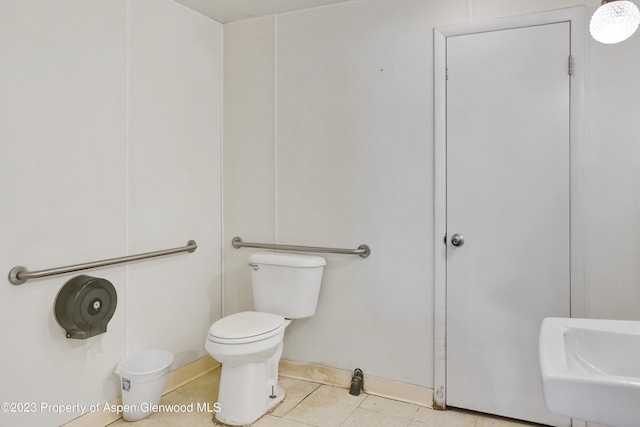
288, 260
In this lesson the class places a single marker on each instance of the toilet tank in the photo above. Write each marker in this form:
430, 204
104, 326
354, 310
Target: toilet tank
284, 284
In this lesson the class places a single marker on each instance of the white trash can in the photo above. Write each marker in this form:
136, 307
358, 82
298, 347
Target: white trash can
142, 379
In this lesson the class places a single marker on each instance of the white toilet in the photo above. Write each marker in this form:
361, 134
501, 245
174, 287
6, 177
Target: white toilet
249, 344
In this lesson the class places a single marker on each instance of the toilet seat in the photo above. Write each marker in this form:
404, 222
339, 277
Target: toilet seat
246, 327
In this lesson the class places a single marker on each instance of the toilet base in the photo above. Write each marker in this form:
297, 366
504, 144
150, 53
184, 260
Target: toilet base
230, 417
245, 390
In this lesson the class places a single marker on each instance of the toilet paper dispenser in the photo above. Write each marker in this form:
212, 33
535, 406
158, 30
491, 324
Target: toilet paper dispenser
85, 305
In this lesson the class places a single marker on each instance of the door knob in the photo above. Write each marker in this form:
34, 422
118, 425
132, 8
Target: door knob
457, 239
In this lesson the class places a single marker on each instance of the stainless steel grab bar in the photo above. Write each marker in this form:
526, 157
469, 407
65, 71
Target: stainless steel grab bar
363, 250
19, 274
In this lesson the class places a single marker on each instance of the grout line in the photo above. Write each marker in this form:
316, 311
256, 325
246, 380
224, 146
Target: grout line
495, 420
350, 414
318, 385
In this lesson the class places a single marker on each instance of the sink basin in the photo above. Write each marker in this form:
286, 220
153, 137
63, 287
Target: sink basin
591, 369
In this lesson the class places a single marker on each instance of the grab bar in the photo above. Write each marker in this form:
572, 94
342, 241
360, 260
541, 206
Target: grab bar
363, 250
19, 274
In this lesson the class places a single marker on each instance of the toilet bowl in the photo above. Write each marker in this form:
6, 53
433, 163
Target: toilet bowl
249, 347
249, 344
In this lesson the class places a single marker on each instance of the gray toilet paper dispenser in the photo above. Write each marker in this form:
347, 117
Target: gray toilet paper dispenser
85, 305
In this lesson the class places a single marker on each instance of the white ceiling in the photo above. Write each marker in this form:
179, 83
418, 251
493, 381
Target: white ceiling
236, 10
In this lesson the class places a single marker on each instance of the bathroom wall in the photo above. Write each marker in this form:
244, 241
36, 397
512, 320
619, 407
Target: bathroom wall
110, 144
175, 192
335, 149
346, 151
249, 151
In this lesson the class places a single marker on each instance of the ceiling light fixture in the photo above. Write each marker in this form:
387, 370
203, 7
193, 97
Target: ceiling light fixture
614, 21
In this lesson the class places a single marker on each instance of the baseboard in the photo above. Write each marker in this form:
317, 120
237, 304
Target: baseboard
189, 372
175, 379
382, 387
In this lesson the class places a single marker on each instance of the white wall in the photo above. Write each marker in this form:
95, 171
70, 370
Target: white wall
349, 161
109, 145
249, 162
335, 148
174, 157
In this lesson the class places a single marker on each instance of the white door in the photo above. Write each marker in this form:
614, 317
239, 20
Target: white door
508, 196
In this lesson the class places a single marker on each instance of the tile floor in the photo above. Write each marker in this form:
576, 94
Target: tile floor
311, 404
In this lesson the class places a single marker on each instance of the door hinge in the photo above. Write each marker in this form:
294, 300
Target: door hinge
446, 74
570, 65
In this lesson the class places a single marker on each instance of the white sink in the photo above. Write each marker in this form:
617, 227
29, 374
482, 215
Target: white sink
591, 369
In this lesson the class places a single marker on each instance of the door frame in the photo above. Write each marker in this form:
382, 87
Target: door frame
576, 17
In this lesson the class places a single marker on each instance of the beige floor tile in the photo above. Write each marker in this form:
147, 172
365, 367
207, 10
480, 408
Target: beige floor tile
448, 418
390, 407
362, 417
337, 395
271, 421
310, 404
147, 422
203, 387
491, 421
320, 412
295, 392
183, 410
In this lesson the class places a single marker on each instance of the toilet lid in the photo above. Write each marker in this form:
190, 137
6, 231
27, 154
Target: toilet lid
248, 324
